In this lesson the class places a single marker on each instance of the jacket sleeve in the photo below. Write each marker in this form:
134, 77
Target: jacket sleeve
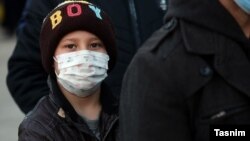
26, 79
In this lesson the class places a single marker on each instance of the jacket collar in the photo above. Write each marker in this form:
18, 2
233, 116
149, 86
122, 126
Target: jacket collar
230, 59
195, 42
108, 100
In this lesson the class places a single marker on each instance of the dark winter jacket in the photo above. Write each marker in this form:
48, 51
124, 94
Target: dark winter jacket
134, 21
192, 74
54, 119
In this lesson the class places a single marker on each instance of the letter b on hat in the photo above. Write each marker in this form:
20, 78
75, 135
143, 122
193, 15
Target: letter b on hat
56, 18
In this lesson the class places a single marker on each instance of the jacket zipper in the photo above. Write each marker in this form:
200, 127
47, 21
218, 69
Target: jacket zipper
110, 127
134, 21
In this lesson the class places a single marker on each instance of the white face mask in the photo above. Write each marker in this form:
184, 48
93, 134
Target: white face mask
82, 72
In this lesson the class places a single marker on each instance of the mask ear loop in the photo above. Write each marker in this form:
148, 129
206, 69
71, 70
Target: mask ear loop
55, 59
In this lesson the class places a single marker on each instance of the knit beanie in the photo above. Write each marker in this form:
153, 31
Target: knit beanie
70, 16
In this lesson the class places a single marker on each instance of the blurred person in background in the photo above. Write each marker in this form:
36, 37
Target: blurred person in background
134, 22
193, 74
1, 11
78, 49
12, 10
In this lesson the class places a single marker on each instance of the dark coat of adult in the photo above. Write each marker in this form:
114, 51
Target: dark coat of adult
192, 74
134, 22
54, 119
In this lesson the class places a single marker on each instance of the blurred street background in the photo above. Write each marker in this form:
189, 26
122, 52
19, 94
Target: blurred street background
10, 115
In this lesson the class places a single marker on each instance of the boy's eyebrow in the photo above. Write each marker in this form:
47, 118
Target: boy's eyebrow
76, 39
94, 38
69, 39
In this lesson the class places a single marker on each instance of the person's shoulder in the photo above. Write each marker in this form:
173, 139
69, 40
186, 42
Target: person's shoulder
163, 34
161, 43
41, 118
36, 124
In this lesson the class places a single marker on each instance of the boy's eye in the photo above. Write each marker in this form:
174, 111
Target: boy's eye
70, 46
96, 45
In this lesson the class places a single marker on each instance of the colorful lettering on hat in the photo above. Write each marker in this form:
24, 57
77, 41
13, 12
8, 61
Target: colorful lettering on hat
71, 12
96, 10
56, 18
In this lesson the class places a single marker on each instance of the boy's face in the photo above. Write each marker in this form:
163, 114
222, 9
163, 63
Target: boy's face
76, 41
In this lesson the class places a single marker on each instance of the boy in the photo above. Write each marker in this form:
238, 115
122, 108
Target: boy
77, 45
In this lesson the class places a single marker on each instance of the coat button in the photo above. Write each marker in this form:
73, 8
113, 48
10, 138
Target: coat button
206, 71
